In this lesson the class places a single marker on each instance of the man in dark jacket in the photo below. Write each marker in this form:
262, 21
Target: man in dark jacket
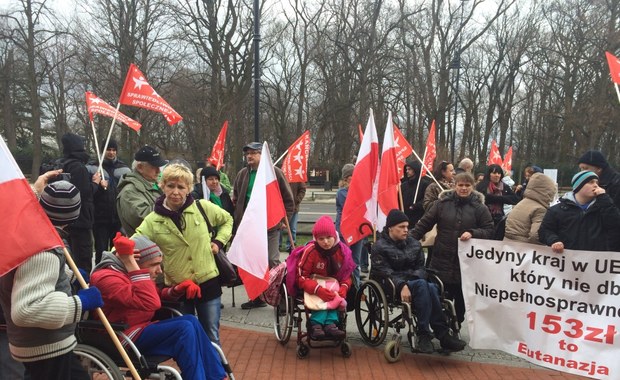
585, 219
608, 177
413, 204
399, 257
80, 232
107, 223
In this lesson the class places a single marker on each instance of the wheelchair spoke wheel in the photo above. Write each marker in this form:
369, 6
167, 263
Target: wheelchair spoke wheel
283, 316
96, 363
392, 351
371, 313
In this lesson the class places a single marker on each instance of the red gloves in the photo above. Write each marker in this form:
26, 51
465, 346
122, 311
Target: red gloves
325, 294
123, 244
342, 292
190, 288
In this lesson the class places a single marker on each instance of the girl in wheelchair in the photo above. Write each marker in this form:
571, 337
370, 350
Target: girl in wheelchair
324, 274
399, 257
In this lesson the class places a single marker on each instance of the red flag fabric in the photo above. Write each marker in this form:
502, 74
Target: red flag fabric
137, 92
360, 133
387, 196
403, 150
430, 151
21, 214
360, 206
95, 105
249, 250
494, 156
295, 165
507, 164
217, 154
614, 67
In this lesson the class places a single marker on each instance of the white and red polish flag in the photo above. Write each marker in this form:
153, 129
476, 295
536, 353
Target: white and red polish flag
95, 105
387, 197
249, 248
507, 164
137, 92
360, 206
614, 67
403, 150
217, 154
21, 213
295, 165
430, 151
494, 156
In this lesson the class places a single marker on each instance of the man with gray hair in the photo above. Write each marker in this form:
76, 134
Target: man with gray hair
138, 189
466, 165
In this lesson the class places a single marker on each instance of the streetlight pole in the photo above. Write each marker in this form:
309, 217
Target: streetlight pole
256, 69
456, 64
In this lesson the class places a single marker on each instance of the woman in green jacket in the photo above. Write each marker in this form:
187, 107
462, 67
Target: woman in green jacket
179, 229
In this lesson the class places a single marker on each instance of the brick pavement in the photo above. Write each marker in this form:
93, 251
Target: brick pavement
258, 355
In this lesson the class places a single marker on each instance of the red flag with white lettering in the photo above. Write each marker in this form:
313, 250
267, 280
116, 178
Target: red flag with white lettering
430, 151
137, 92
95, 105
217, 154
295, 165
494, 156
403, 150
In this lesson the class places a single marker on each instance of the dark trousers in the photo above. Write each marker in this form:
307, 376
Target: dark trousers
103, 234
81, 243
63, 367
427, 307
456, 293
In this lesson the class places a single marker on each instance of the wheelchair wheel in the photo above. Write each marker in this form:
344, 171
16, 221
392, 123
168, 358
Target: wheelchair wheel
283, 316
345, 348
97, 363
371, 313
392, 351
302, 351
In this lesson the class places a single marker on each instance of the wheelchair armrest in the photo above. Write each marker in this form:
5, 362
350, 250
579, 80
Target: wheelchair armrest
96, 324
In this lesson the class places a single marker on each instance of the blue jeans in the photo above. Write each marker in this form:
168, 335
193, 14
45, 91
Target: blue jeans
293, 224
208, 315
356, 252
184, 339
427, 307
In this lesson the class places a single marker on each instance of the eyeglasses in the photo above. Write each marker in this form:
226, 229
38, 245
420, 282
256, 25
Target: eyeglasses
252, 152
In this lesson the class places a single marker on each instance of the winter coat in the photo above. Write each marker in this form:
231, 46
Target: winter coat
593, 229
432, 192
414, 207
105, 199
135, 200
524, 220
298, 189
75, 159
610, 181
401, 261
227, 203
312, 262
453, 216
128, 297
508, 197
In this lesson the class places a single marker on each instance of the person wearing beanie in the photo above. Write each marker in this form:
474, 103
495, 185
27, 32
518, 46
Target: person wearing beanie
126, 277
41, 312
216, 193
586, 218
399, 257
75, 159
327, 258
224, 180
106, 220
242, 190
460, 214
608, 177
413, 195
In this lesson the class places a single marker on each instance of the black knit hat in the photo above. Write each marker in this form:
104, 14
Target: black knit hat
209, 171
395, 216
111, 145
61, 202
594, 158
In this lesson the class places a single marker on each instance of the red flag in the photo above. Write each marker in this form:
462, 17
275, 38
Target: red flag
249, 250
21, 213
387, 196
614, 67
217, 154
361, 134
494, 156
403, 150
360, 207
138, 93
507, 164
98, 106
295, 165
431, 150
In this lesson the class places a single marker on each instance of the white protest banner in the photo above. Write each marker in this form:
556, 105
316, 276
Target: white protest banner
559, 311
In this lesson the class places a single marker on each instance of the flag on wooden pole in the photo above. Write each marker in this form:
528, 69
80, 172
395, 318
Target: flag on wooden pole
295, 165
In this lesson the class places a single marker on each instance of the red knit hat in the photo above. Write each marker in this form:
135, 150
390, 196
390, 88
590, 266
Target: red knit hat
324, 226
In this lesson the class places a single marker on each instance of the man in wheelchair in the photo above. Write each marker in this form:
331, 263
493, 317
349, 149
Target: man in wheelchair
126, 279
398, 256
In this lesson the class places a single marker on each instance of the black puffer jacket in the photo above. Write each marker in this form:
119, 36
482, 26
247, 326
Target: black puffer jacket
413, 206
453, 216
401, 261
610, 181
75, 159
595, 229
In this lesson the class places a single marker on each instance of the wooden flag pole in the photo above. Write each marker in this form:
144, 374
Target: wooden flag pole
281, 157
290, 234
103, 318
99, 155
617, 91
107, 141
400, 197
427, 170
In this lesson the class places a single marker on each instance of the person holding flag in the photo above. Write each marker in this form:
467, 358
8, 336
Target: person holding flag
216, 193
444, 173
242, 190
413, 205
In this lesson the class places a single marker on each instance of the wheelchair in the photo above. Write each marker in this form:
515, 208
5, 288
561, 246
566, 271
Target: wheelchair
376, 302
289, 312
98, 354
